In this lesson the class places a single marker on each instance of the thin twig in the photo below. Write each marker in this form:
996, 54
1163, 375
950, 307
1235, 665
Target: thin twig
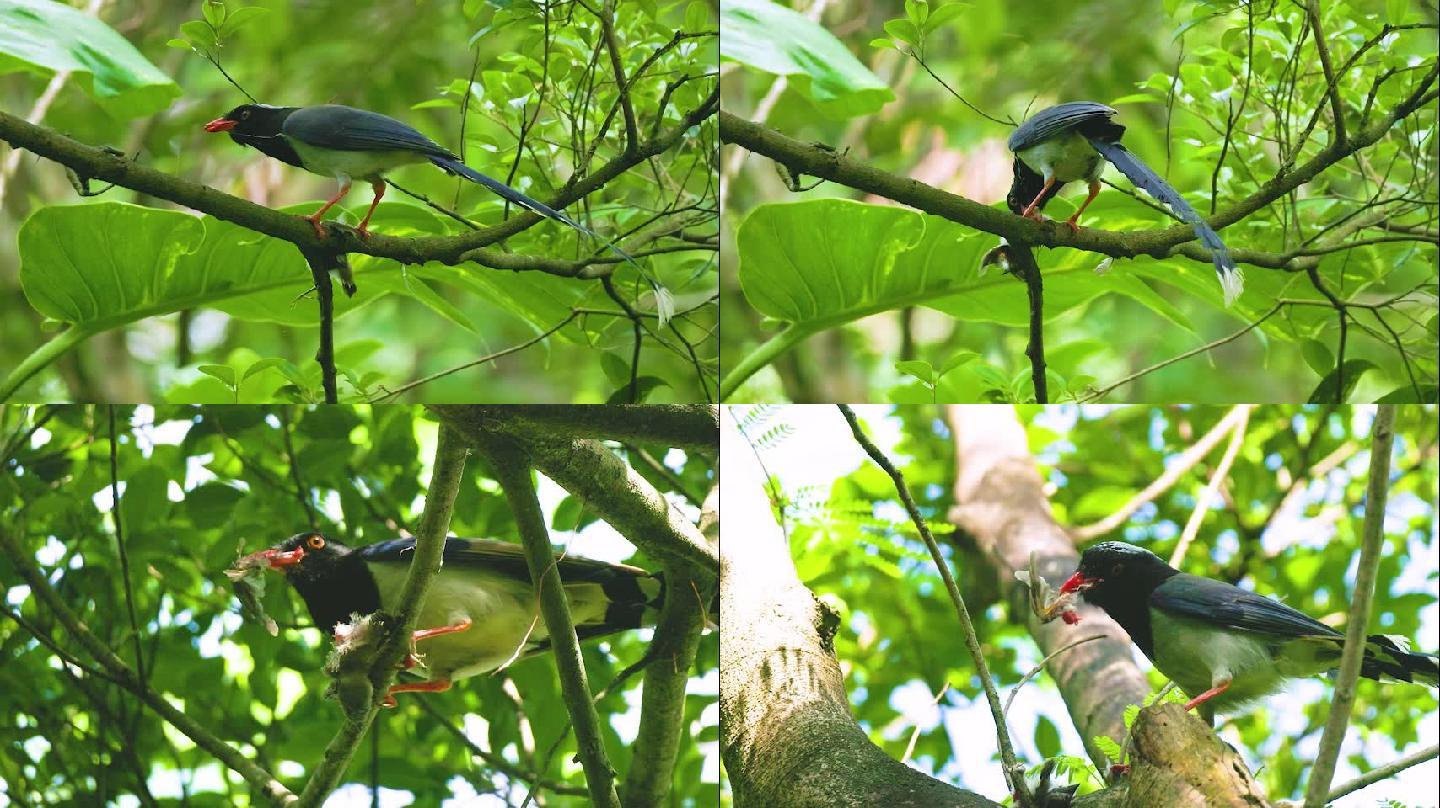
1390, 769
1377, 490
1172, 474
120, 547
1014, 772
1202, 505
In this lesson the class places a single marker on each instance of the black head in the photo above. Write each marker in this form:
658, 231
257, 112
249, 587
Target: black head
331, 577
258, 125
1119, 578
255, 120
1113, 566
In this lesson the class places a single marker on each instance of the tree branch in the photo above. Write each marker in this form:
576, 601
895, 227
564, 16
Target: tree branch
511, 469
1014, 771
1358, 619
449, 466
609, 486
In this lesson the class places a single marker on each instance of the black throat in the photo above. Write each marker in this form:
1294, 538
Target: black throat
1127, 601
338, 589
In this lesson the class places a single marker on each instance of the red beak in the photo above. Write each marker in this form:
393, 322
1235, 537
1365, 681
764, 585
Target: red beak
220, 125
275, 559
1077, 583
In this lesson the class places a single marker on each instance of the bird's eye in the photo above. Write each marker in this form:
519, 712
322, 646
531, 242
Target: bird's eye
315, 542
243, 116
1117, 569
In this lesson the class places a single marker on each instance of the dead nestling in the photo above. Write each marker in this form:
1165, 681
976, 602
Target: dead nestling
247, 578
1042, 605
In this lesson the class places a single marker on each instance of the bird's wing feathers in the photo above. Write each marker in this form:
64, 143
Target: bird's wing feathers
332, 126
503, 558
1220, 603
1049, 122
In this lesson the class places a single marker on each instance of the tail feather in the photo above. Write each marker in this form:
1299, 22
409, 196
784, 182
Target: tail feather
1384, 657
1232, 280
506, 192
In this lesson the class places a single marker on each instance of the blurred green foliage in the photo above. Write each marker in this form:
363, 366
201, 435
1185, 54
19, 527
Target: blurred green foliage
201, 485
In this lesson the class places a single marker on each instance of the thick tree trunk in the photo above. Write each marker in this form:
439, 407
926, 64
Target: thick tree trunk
1000, 501
786, 731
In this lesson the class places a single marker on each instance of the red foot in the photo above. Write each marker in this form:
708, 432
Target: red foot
1074, 228
432, 686
425, 634
1207, 695
315, 223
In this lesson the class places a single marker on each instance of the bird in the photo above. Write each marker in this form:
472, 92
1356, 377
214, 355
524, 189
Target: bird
346, 143
1072, 142
480, 612
1222, 645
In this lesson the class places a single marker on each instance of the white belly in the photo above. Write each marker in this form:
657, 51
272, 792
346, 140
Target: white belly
504, 616
345, 165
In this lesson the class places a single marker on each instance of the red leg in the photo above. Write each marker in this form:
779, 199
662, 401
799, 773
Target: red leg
1208, 695
314, 218
425, 634
1094, 189
1030, 209
379, 188
430, 686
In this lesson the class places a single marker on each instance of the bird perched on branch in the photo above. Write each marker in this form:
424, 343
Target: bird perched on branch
1222, 645
480, 612
1072, 142
349, 144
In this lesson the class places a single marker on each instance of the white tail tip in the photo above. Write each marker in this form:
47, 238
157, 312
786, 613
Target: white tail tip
1232, 282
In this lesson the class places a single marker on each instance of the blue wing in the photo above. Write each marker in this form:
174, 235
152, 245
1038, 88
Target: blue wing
1221, 604
332, 126
1051, 121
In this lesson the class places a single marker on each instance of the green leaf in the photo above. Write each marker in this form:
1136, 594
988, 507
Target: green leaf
1107, 745
644, 386
1047, 737
1408, 395
943, 15
774, 39
903, 30
917, 11
41, 36
1351, 370
617, 370
199, 34
1317, 356
956, 360
263, 365
918, 368
829, 261
214, 12
224, 373
239, 18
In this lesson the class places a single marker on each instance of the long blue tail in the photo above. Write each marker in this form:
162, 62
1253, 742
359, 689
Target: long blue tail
1232, 279
506, 192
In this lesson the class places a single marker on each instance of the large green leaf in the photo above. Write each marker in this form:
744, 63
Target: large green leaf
43, 36
775, 39
107, 264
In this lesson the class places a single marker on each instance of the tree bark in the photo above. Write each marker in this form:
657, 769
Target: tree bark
786, 731
1000, 501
